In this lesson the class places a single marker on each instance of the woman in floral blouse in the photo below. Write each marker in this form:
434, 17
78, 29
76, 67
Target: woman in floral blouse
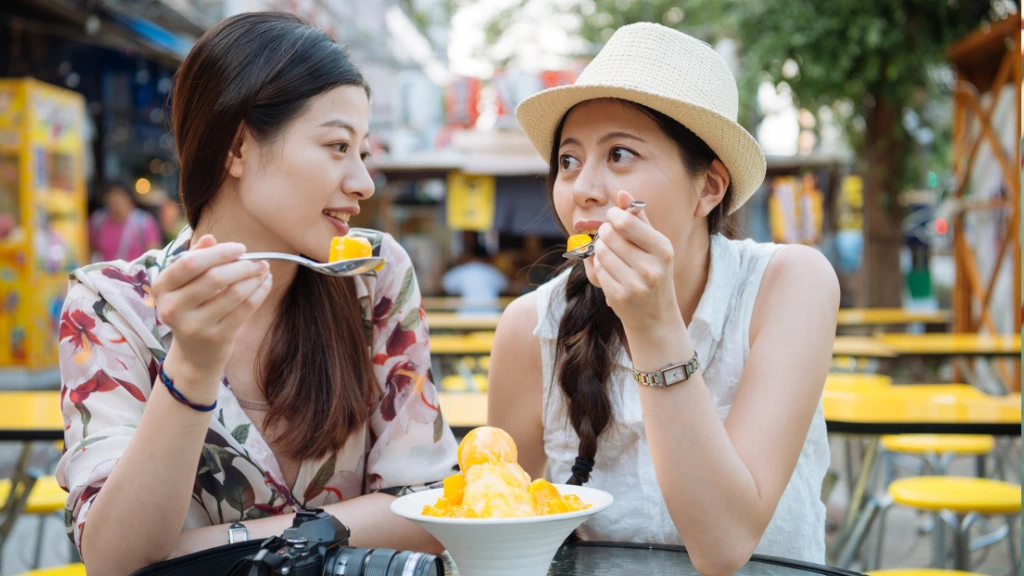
320, 387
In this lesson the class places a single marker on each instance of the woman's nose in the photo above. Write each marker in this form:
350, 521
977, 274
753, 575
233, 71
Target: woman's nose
358, 182
589, 187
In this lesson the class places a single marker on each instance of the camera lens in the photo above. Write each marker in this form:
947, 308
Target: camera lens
380, 562
416, 564
348, 561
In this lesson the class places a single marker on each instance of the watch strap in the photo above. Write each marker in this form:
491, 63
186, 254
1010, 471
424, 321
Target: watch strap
669, 375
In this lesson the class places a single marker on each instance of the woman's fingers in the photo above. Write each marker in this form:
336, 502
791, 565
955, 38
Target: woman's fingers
235, 317
230, 296
195, 263
619, 243
623, 199
614, 270
207, 286
637, 231
637, 228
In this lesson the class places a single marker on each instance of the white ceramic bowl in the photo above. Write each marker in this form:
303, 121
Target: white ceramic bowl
502, 546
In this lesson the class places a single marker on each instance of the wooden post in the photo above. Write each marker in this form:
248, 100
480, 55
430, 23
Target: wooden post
986, 62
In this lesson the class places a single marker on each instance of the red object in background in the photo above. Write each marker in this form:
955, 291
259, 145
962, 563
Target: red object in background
553, 78
460, 100
548, 79
941, 226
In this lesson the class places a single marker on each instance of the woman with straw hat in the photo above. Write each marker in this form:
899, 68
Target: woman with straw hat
678, 369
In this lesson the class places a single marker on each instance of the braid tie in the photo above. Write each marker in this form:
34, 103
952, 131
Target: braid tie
581, 471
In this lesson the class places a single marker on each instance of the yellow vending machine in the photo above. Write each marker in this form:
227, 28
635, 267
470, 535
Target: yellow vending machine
43, 220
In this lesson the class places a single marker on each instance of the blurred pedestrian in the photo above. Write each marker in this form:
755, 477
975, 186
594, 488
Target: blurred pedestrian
475, 279
121, 230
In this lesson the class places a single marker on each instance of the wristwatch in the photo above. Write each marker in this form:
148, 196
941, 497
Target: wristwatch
237, 533
669, 375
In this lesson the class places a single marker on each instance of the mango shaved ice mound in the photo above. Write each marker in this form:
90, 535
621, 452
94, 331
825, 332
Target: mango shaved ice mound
486, 445
349, 247
492, 484
577, 241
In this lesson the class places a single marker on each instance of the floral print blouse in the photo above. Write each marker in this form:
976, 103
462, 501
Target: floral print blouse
111, 339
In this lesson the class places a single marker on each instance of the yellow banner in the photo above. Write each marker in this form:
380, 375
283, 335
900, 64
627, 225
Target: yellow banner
470, 202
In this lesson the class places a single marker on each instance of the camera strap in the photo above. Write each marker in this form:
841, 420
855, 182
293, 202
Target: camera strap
217, 561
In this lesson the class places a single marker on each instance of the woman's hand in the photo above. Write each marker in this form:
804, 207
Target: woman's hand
633, 264
205, 297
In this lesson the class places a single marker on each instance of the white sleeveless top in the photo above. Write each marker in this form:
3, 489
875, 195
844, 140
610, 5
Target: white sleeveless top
719, 331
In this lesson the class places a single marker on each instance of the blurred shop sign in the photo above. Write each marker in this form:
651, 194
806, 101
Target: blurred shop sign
515, 85
797, 210
461, 98
470, 202
850, 236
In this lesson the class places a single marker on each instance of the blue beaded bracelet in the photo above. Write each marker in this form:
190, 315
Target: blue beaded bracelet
178, 395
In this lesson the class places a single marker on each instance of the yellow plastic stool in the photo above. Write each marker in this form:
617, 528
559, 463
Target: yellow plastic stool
936, 450
77, 569
960, 444
958, 495
46, 497
921, 572
958, 502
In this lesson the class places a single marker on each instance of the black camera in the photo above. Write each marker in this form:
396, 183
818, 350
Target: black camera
317, 545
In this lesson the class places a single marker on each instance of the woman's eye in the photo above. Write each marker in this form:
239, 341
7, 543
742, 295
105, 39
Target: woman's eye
619, 154
340, 147
568, 162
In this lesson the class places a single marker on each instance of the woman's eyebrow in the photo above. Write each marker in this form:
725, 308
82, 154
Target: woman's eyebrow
339, 123
568, 141
616, 135
605, 138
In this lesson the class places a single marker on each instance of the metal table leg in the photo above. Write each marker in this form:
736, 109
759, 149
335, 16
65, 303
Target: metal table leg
867, 465
16, 499
861, 512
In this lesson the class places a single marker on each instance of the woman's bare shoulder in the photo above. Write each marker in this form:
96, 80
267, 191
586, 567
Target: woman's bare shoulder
515, 357
520, 316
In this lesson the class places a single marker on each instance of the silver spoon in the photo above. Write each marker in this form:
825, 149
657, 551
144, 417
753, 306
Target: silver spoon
587, 250
351, 267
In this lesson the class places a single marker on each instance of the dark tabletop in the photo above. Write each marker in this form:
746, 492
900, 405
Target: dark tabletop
601, 559
884, 428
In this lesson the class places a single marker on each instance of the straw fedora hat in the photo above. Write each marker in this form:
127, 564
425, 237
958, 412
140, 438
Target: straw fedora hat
670, 72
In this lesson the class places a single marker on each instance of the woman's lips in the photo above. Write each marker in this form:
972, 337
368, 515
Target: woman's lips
587, 226
339, 225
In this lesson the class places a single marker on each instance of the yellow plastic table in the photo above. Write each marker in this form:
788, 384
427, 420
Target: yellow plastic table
921, 409
452, 303
891, 317
26, 417
462, 344
464, 411
861, 347
910, 409
462, 321
987, 345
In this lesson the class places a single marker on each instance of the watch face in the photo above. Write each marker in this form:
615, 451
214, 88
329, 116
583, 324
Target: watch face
675, 375
237, 533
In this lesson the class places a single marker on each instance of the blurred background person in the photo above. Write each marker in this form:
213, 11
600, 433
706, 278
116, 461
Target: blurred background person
476, 279
121, 230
